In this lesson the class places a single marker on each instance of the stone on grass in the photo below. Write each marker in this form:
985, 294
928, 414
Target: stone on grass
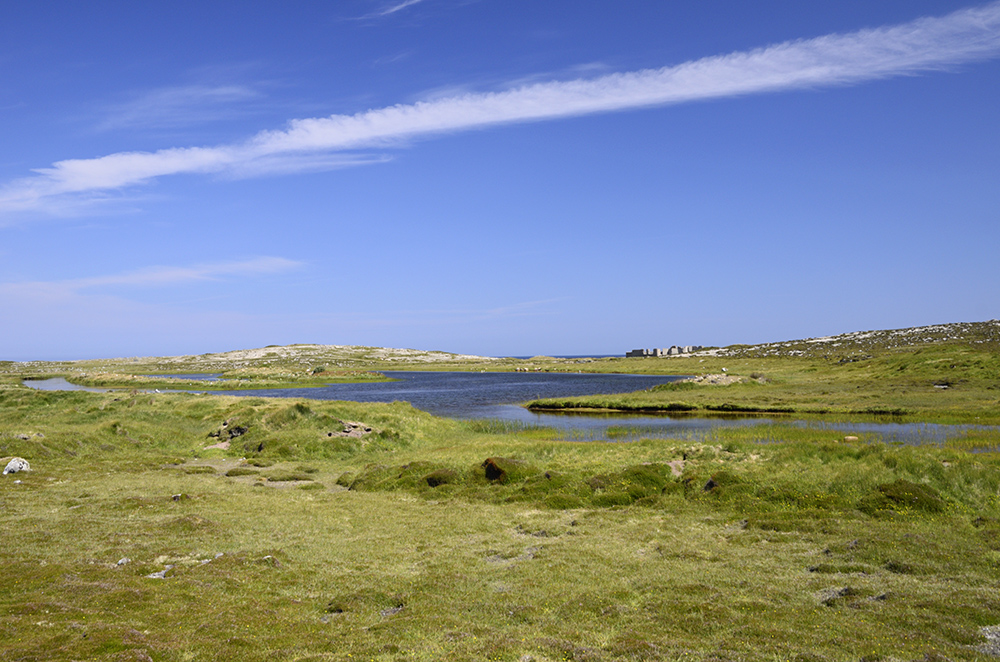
162, 574
16, 465
351, 429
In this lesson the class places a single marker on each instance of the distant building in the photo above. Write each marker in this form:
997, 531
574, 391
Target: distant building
672, 351
643, 353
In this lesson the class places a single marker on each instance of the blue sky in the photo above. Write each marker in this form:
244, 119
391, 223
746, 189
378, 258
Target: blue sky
499, 178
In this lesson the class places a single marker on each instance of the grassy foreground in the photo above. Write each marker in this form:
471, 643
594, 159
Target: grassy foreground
183, 527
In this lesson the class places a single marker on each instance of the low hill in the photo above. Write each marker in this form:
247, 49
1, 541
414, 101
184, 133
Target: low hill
858, 344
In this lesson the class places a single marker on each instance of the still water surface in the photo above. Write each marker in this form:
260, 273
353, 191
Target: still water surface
469, 394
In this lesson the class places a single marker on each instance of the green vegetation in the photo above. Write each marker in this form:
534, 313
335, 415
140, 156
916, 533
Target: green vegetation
243, 379
946, 381
175, 526
140, 535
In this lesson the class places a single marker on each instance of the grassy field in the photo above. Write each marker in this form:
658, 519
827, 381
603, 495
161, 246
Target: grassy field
427, 538
171, 526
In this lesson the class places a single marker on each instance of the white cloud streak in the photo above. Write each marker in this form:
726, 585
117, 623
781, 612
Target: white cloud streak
926, 44
398, 7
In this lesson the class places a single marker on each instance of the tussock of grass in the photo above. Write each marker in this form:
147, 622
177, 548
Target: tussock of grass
242, 471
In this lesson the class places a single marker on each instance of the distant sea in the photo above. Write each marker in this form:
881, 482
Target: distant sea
574, 356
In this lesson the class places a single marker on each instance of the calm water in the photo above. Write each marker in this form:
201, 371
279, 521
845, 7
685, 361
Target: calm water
60, 384
470, 395
595, 427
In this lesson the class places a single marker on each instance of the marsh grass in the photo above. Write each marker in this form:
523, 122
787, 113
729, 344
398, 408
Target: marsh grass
501, 426
397, 545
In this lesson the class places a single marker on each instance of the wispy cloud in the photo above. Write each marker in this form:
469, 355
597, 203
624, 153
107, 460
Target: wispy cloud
156, 276
925, 44
388, 10
179, 106
398, 7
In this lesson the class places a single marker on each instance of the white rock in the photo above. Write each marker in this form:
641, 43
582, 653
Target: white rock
162, 574
15, 465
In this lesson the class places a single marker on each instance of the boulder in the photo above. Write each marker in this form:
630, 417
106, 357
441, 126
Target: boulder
16, 465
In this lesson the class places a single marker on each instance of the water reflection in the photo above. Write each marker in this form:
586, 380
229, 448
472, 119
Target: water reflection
597, 427
60, 384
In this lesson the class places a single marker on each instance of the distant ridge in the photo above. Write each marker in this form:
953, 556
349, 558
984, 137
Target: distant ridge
846, 346
862, 343
295, 356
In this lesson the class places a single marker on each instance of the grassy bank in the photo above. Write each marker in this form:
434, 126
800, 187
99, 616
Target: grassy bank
245, 379
945, 381
182, 527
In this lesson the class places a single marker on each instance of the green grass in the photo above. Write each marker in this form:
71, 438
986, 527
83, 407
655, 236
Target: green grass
904, 383
243, 379
296, 545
